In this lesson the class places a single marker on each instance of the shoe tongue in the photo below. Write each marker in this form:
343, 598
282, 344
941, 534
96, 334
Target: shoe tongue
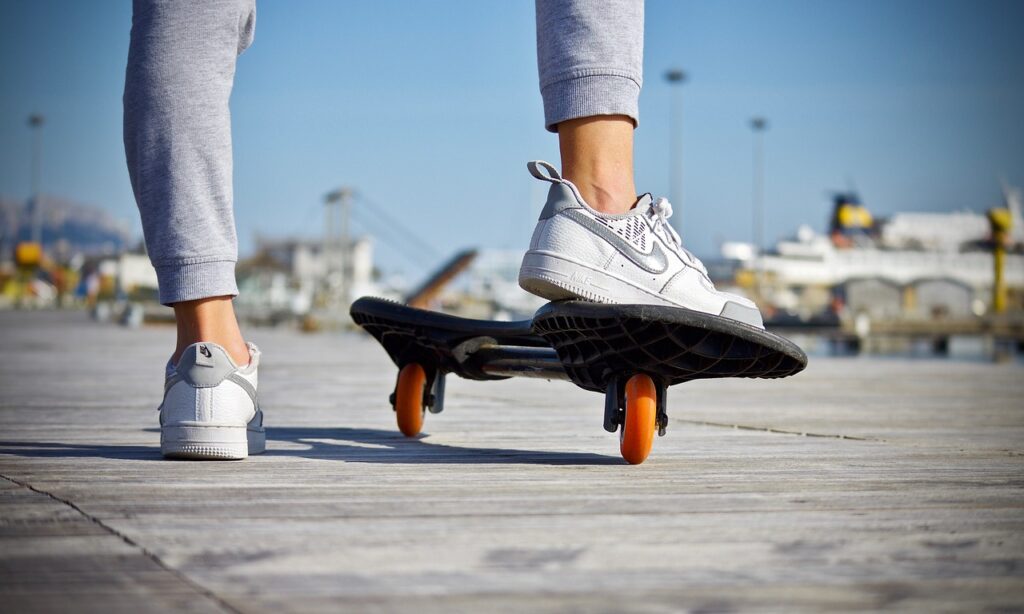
643, 202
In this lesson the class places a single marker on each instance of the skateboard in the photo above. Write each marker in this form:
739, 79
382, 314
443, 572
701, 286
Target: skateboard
630, 353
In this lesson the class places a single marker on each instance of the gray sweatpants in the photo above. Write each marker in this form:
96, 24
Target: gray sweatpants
177, 124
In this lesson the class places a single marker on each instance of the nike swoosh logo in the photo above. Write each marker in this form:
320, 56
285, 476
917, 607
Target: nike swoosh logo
655, 262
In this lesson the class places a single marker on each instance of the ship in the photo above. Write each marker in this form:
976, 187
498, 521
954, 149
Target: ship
910, 266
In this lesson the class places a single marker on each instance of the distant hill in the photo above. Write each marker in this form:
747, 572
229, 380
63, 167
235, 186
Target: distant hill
87, 229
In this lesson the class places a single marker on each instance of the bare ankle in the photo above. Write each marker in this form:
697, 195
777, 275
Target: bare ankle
211, 320
597, 156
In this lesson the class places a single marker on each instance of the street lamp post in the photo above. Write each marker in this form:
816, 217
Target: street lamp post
676, 77
35, 121
758, 125
337, 243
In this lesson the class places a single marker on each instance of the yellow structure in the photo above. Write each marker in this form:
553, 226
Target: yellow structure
1001, 221
28, 254
854, 215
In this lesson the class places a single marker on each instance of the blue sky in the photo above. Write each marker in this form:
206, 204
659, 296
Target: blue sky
431, 109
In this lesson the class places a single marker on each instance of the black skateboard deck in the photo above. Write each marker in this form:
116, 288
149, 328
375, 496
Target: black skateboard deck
598, 347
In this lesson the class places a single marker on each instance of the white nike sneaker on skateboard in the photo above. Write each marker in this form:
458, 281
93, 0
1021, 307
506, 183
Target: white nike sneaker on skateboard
631, 258
210, 410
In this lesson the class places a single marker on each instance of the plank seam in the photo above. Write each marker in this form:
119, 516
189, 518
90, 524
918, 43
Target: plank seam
202, 590
768, 429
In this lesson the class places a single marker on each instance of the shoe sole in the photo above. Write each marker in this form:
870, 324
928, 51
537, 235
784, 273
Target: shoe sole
206, 442
556, 278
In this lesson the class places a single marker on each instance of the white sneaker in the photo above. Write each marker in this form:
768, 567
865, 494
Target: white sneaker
632, 258
210, 410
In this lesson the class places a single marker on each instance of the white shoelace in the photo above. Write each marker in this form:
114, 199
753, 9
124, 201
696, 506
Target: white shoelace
662, 210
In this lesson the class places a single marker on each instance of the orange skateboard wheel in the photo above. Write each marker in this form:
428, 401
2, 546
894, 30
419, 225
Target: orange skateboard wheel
409, 399
637, 434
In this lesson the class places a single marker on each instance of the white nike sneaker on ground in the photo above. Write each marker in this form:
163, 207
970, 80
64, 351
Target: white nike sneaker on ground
210, 410
632, 258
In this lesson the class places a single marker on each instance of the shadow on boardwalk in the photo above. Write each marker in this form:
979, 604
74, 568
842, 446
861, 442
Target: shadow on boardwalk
354, 445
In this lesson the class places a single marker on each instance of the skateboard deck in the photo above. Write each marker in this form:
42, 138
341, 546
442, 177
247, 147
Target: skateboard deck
599, 347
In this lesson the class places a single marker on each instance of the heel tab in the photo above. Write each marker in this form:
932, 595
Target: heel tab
205, 365
552, 174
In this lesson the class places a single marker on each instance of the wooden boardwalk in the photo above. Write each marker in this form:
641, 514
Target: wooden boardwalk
858, 485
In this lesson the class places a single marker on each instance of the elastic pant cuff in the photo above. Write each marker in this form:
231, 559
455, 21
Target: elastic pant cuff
588, 96
189, 282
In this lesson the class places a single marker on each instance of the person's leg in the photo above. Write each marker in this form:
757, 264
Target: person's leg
595, 239
590, 59
177, 135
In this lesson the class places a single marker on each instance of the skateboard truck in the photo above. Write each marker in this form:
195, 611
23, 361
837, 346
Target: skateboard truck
433, 392
662, 409
435, 402
615, 402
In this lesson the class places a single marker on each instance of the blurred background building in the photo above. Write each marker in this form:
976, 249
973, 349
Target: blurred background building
777, 110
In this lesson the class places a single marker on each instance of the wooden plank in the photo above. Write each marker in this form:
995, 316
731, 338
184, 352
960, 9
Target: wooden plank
904, 493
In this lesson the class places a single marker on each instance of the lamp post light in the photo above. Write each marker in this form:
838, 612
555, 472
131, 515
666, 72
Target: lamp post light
676, 77
35, 121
